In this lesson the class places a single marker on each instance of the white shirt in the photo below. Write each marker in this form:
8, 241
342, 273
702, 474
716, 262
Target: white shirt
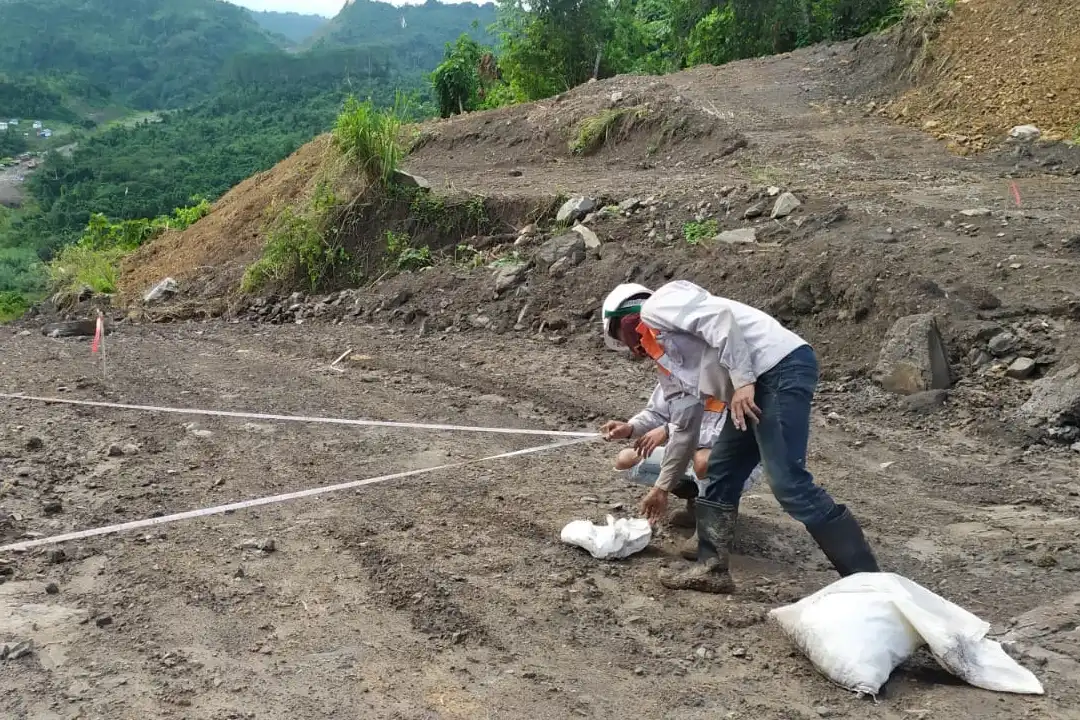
714, 344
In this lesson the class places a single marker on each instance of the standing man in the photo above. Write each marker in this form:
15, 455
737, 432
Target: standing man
707, 349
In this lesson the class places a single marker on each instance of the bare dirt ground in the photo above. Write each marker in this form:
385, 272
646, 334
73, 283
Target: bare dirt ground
450, 595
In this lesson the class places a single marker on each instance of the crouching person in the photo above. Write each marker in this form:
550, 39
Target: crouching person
652, 428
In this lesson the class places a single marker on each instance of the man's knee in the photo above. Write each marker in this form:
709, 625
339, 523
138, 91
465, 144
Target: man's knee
626, 459
798, 494
701, 463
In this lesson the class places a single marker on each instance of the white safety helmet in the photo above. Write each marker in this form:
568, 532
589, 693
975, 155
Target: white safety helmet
621, 301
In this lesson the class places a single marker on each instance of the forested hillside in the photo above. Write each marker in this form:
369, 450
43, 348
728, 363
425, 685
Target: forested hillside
415, 34
147, 54
295, 28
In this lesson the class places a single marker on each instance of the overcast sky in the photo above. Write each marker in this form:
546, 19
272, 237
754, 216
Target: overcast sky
327, 8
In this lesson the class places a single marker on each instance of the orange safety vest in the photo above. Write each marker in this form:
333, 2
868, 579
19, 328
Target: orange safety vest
652, 347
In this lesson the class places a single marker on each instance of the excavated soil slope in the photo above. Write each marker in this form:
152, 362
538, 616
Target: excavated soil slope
221, 245
449, 595
998, 64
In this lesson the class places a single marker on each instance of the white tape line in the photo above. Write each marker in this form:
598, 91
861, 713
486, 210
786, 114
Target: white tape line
218, 510
299, 418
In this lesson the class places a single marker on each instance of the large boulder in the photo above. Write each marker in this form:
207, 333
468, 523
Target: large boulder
913, 357
1055, 405
566, 250
576, 208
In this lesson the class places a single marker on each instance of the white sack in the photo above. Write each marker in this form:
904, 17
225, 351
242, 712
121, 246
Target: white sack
618, 539
859, 629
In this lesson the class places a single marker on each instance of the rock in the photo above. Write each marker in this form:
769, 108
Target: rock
72, 328
164, 290
14, 651
737, 237
785, 205
592, 242
52, 507
1025, 133
569, 248
115, 451
34, 443
979, 358
508, 275
629, 204
266, 545
924, 403
1021, 368
575, 209
103, 621
913, 357
773, 191
754, 211
52, 589
56, 556
528, 230
1055, 400
976, 212
1002, 344
409, 180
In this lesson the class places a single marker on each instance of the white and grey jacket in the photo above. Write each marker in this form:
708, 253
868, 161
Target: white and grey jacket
712, 345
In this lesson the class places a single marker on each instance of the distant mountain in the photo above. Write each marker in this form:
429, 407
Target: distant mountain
417, 33
294, 27
147, 54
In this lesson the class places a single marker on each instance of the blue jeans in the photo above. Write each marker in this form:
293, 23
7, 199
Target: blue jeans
778, 441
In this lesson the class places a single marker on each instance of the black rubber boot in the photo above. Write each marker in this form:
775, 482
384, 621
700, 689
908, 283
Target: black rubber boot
688, 491
843, 542
715, 531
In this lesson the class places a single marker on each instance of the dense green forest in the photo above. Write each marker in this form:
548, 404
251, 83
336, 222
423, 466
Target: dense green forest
248, 104
147, 54
295, 28
416, 46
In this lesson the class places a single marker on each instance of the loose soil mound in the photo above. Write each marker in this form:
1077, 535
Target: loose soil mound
617, 119
998, 64
227, 240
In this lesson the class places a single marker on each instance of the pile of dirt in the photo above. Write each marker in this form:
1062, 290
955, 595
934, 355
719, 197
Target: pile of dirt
997, 64
620, 119
214, 252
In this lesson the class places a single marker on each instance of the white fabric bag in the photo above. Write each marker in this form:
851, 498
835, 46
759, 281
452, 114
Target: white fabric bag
618, 539
859, 629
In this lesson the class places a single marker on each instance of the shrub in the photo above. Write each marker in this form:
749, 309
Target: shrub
368, 138
696, 233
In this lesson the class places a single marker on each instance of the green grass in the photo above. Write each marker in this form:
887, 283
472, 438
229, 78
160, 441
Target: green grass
298, 242
78, 265
94, 261
595, 131
696, 233
368, 139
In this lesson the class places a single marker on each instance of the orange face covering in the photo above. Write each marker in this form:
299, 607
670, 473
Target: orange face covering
630, 335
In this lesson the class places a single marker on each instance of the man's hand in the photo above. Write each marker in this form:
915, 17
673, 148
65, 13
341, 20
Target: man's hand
743, 408
616, 430
651, 440
654, 505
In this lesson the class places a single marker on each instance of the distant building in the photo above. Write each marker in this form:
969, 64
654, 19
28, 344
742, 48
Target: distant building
3, 127
46, 133
13, 122
37, 125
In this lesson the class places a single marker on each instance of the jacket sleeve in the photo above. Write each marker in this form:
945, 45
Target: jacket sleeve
687, 308
682, 441
655, 414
